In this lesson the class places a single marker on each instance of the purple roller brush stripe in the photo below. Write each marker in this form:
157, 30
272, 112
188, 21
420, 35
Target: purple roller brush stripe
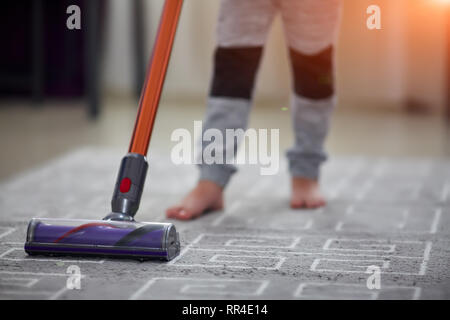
95, 235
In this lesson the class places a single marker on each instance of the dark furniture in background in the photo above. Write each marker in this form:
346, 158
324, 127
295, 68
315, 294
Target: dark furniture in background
41, 57
22, 55
138, 36
37, 49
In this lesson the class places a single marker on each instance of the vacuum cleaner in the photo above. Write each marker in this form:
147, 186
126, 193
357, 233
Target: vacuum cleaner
118, 234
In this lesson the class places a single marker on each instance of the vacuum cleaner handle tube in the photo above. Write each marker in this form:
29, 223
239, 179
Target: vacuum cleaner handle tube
151, 92
133, 168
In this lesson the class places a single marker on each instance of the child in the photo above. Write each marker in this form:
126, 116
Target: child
310, 28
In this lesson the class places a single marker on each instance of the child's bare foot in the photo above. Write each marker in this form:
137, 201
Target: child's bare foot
204, 197
306, 194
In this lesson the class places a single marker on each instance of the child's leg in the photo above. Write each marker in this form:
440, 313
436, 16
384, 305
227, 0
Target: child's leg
241, 33
311, 27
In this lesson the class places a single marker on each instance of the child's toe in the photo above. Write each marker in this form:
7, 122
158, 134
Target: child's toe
297, 204
316, 203
173, 211
184, 214
311, 204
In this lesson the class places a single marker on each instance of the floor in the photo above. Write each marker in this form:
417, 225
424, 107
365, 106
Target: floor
387, 182
33, 136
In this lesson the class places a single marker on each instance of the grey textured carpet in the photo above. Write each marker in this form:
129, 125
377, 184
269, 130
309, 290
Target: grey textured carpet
390, 213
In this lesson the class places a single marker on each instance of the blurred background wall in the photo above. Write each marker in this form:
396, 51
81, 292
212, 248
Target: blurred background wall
401, 65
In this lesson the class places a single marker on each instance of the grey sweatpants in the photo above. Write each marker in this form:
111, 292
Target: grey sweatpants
310, 29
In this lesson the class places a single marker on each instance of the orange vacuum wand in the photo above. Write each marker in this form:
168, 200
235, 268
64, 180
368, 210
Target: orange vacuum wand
133, 168
151, 93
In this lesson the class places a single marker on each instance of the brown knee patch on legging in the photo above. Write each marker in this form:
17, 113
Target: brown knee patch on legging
313, 74
235, 71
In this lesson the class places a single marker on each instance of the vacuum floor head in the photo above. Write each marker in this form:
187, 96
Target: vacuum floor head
138, 240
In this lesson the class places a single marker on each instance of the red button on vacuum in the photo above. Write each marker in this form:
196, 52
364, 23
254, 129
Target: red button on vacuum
125, 185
